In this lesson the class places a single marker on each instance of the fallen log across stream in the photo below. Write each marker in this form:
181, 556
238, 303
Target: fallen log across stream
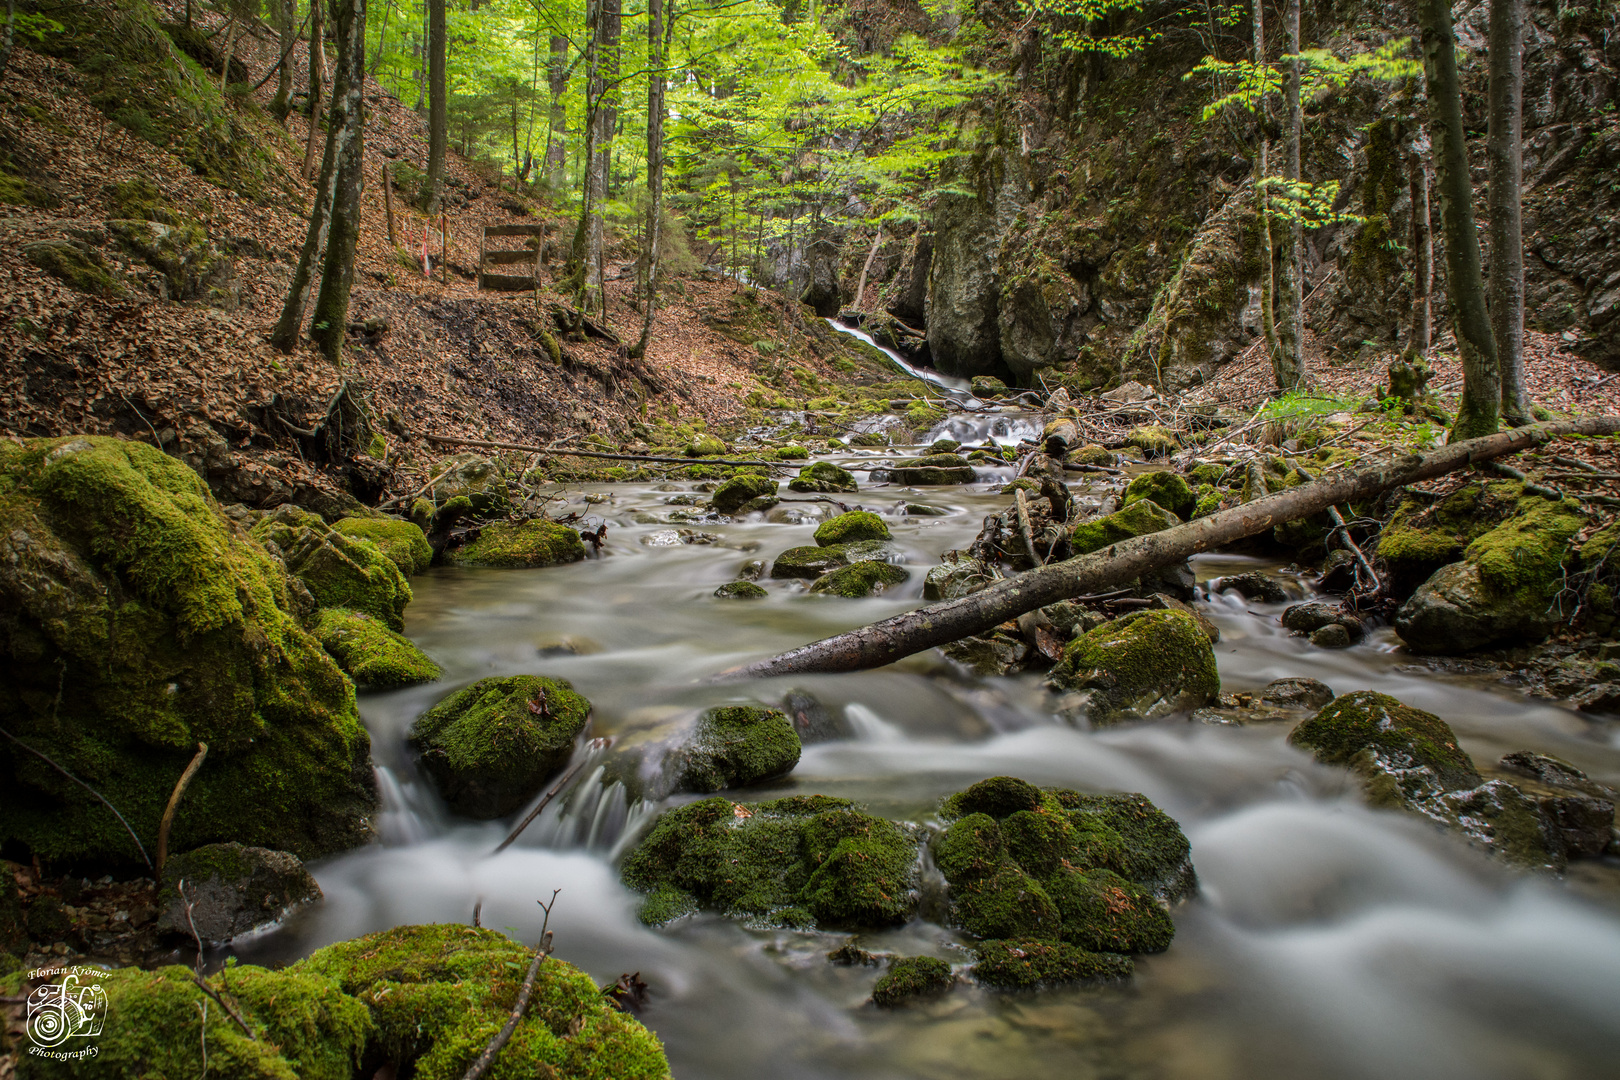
939, 624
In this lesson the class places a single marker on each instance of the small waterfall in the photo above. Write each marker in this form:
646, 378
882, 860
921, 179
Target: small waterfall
971, 429
952, 386
869, 726
592, 815
404, 817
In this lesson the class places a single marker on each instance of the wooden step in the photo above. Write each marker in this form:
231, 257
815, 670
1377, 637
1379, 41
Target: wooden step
514, 230
507, 258
507, 282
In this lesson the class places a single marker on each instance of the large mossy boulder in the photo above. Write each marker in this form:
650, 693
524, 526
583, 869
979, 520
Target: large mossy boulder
933, 469
1088, 873
812, 562
823, 477
861, 579
438, 994
733, 746
533, 543
374, 656
1166, 489
230, 890
1420, 537
848, 528
1504, 590
802, 861
477, 479
340, 571
403, 542
136, 621
491, 746
739, 491
1140, 667
1138, 519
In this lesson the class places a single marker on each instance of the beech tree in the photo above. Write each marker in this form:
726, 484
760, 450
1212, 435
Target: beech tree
1290, 365
1504, 153
438, 104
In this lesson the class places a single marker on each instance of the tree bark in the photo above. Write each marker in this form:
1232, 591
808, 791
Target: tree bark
1482, 385
331, 317
286, 15
1290, 279
608, 110
1504, 152
557, 139
1262, 204
317, 67
1422, 336
438, 106
8, 36
655, 165
939, 624
585, 261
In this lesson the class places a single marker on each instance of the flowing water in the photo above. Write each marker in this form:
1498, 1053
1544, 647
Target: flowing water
1328, 940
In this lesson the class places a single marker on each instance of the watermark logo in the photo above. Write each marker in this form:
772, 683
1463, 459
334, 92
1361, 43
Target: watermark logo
66, 1010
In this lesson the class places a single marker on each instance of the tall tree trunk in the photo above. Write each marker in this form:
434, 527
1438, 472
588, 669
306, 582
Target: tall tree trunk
655, 165
1422, 245
286, 15
557, 139
1262, 203
421, 63
317, 66
382, 37
608, 110
8, 36
587, 255
1290, 280
230, 48
1504, 152
331, 316
1470, 318
438, 106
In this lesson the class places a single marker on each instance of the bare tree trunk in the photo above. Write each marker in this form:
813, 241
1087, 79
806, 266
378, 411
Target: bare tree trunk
1290, 281
1504, 151
331, 317
1422, 245
230, 48
866, 268
586, 260
286, 15
1262, 203
557, 139
655, 165
438, 106
317, 65
8, 36
608, 110
1470, 318
939, 624
382, 37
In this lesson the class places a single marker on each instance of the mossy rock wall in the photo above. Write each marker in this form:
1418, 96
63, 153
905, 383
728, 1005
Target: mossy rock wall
137, 621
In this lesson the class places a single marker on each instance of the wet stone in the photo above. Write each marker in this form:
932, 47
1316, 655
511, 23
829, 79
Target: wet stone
1331, 636
1256, 587
1297, 693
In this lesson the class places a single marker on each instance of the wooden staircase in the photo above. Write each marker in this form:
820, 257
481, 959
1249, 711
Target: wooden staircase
526, 259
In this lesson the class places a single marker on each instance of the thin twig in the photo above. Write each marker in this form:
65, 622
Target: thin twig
487, 1058
423, 490
41, 755
545, 799
1024, 529
174, 803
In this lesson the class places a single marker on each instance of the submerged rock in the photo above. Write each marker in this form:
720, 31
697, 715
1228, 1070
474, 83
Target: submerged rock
823, 477
373, 655
802, 861
1165, 489
232, 891
1251, 586
731, 496
910, 978
1140, 667
340, 571
532, 543
740, 590
403, 542
851, 527
861, 579
491, 746
136, 620
735, 746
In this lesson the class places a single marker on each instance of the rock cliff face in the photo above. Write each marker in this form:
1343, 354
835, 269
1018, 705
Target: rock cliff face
1098, 229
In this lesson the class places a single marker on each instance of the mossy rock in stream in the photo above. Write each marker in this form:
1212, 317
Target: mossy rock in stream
739, 491
735, 746
372, 655
1138, 519
137, 620
1399, 750
1165, 489
823, 477
476, 479
491, 746
437, 994
1142, 666
1028, 965
533, 543
861, 579
1087, 872
1420, 538
803, 861
851, 527
340, 571
934, 469
812, 562
910, 978
403, 542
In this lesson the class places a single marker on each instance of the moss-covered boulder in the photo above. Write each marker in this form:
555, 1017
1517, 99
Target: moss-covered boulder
374, 656
1140, 667
1087, 872
741, 590
438, 994
76, 264
137, 620
1421, 537
533, 543
1138, 519
933, 469
851, 527
339, 571
987, 386
823, 477
739, 491
491, 746
1153, 440
1029, 965
734, 746
704, 445
1166, 489
861, 579
232, 890
157, 1023
476, 479
791, 452
403, 542
812, 562
1504, 590
910, 978
801, 861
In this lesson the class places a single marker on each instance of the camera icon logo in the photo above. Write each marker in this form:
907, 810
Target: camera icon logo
61, 1011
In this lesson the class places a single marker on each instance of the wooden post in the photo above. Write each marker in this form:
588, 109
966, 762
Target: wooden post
483, 244
444, 245
388, 204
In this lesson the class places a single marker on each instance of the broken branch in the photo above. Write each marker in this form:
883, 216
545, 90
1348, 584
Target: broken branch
174, 804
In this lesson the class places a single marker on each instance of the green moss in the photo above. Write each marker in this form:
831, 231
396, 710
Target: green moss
792, 452
996, 797
1367, 722
1206, 472
861, 579
137, 621
776, 862
438, 994
824, 477
491, 746
1091, 455
1522, 559
340, 571
476, 479
1166, 489
1138, 519
741, 590
912, 977
373, 655
1141, 666
1023, 483
1419, 539
813, 561
1127, 833
922, 416
1154, 441
1006, 903
1209, 500
1026, 965
737, 745
79, 266
850, 527
403, 542
531, 543
734, 494
869, 438
705, 446
1103, 912
970, 849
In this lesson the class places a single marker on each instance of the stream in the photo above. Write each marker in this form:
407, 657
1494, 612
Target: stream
1327, 940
